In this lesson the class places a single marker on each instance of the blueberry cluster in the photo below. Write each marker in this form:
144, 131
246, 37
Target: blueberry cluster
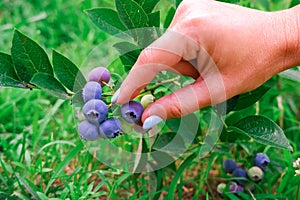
97, 123
243, 179
95, 110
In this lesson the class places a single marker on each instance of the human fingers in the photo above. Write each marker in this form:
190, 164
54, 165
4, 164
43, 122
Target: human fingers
186, 68
186, 100
161, 55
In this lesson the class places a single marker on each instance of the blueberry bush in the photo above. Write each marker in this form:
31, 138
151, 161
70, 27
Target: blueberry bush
62, 138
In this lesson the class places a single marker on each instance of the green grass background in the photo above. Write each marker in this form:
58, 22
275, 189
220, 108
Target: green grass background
41, 155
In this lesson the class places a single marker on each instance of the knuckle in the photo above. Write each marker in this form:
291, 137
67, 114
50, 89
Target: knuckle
175, 110
145, 56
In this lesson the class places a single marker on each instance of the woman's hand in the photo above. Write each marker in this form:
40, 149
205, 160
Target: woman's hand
236, 49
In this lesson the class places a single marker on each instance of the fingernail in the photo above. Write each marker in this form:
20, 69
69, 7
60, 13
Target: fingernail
115, 97
151, 121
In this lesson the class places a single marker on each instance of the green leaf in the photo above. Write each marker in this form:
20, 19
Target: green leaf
6, 66
230, 135
250, 98
169, 17
146, 36
262, 130
227, 106
131, 14
106, 20
154, 19
67, 72
188, 126
147, 5
125, 47
9, 82
291, 74
77, 99
127, 62
129, 54
116, 70
50, 84
294, 3
170, 142
242, 101
178, 2
28, 57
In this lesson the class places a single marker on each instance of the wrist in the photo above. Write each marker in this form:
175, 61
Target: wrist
289, 23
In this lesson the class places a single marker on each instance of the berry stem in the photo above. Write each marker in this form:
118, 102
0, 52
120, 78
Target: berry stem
172, 80
109, 105
106, 84
106, 94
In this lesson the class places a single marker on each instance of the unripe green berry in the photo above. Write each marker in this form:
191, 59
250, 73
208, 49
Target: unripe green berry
221, 187
147, 100
255, 173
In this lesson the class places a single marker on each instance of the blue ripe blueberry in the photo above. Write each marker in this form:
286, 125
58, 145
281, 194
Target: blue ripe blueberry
255, 173
91, 90
100, 75
88, 131
261, 160
95, 111
229, 165
234, 188
240, 173
132, 111
110, 128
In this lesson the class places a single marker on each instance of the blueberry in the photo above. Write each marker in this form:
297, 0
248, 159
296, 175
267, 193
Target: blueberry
95, 111
255, 173
91, 90
147, 100
240, 173
234, 188
88, 131
132, 111
221, 187
261, 160
100, 75
110, 128
229, 165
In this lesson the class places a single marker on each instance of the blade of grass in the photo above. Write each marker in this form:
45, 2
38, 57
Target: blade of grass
108, 185
56, 142
62, 165
27, 186
38, 133
173, 185
117, 183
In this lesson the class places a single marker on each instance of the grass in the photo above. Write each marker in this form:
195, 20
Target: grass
42, 157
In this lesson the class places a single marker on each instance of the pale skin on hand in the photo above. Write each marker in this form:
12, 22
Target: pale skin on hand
246, 47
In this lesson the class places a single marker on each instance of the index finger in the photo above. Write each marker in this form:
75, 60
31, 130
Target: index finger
161, 55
